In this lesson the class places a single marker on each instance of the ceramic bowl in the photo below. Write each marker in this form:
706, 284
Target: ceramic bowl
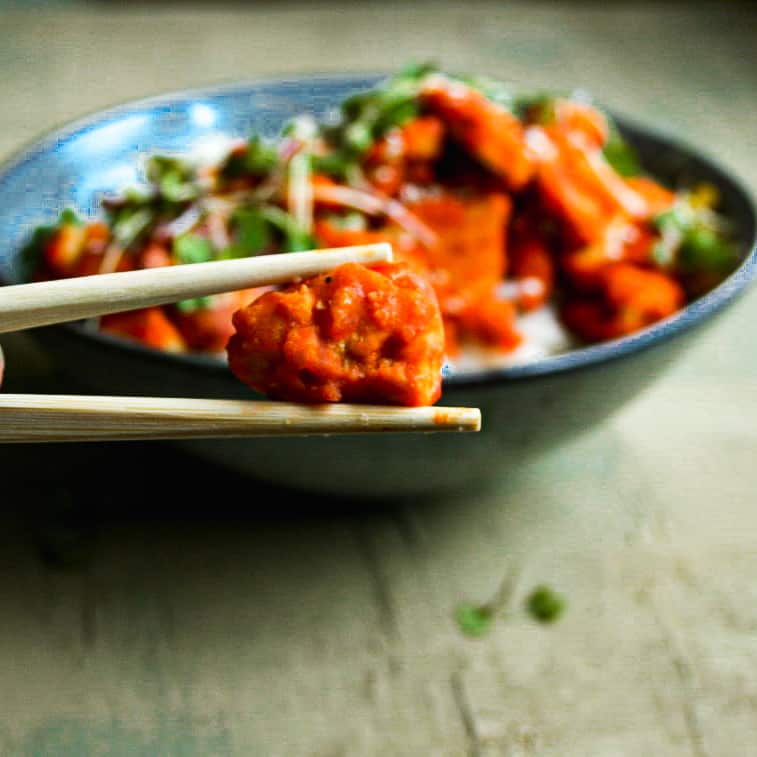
526, 409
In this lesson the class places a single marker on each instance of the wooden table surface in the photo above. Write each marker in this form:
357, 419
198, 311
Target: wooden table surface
139, 617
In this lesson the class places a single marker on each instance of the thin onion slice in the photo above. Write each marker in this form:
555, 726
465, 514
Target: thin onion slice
374, 205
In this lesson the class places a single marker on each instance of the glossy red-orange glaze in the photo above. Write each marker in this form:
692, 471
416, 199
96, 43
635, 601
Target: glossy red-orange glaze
150, 326
464, 266
489, 131
627, 299
532, 266
467, 263
354, 335
209, 328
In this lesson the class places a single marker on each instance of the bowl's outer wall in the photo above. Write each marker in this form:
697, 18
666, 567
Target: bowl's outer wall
523, 414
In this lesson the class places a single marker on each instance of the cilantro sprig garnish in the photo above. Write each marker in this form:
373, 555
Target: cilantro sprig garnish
174, 179
545, 605
172, 187
256, 159
474, 620
689, 243
619, 153
368, 116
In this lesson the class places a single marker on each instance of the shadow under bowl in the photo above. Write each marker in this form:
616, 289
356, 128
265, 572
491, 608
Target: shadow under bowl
526, 409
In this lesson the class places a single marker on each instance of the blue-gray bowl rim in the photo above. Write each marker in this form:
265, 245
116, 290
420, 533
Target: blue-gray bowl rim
692, 315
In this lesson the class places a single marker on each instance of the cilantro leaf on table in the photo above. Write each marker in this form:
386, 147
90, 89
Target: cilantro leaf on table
474, 620
545, 604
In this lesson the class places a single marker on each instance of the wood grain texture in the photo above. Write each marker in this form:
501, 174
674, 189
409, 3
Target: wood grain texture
185, 618
79, 418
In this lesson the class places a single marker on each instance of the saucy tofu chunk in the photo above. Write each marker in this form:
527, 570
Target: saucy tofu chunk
354, 335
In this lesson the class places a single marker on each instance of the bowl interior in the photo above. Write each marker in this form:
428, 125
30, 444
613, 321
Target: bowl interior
101, 154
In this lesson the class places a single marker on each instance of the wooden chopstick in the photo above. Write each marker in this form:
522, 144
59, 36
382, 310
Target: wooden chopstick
24, 306
75, 418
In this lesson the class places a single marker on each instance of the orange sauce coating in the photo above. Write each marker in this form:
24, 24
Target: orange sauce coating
354, 335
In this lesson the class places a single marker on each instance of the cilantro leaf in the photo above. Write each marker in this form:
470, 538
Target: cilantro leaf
350, 221
620, 155
173, 177
196, 303
131, 222
31, 254
536, 108
689, 244
367, 116
68, 217
545, 604
256, 159
704, 250
190, 248
415, 71
334, 164
252, 231
474, 620
295, 238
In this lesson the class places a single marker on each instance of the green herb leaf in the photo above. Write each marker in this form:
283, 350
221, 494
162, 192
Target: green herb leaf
679, 217
358, 136
689, 244
335, 164
395, 115
354, 105
130, 223
352, 221
536, 108
296, 239
252, 231
620, 155
30, 256
232, 252
190, 248
196, 303
663, 254
261, 158
414, 71
367, 116
545, 604
257, 159
173, 177
177, 189
704, 250
138, 195
68, 217
474, 620
158, 167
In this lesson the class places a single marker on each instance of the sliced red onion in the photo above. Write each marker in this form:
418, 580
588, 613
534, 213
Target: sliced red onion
372, 204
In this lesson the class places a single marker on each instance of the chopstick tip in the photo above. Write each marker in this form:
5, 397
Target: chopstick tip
384, 252
458, 418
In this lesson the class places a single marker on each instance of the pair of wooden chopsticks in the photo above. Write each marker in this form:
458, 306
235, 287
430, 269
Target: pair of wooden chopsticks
47, 418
